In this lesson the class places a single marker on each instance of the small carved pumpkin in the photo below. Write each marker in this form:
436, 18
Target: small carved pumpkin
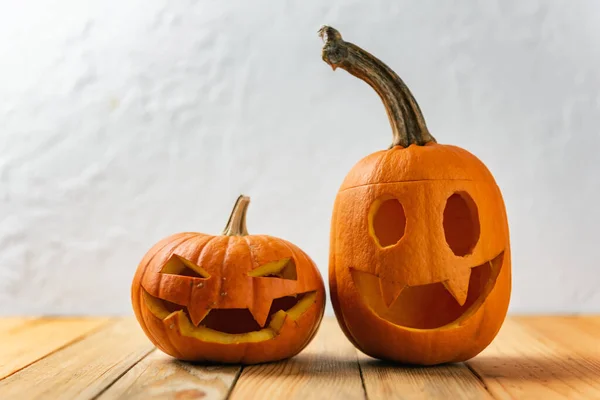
233, 298
420, 257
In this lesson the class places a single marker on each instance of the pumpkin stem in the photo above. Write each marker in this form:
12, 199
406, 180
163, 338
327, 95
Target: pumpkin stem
236, 226
405, 116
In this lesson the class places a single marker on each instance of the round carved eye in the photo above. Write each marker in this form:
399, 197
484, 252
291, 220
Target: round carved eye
461, 223
387, 221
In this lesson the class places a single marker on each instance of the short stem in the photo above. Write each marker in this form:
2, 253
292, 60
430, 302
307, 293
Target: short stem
406, 119
236, 226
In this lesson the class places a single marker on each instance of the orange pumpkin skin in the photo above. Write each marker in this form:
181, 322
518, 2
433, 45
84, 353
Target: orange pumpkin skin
421, 178
419, 266
228, 260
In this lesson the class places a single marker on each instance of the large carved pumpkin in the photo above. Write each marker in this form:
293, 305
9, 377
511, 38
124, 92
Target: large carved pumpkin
420, 257
233, 298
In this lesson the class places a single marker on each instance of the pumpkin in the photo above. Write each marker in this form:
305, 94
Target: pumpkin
231, 298
420, 267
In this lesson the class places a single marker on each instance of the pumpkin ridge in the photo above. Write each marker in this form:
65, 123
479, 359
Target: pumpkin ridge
252, 255
201, 246
224, 263
202, 254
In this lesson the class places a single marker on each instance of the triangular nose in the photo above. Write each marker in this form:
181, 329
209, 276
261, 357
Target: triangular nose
390, 290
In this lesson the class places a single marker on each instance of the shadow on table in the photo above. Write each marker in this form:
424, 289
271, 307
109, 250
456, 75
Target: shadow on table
434, 371
545, 368
308, 365
305, 365
506, 367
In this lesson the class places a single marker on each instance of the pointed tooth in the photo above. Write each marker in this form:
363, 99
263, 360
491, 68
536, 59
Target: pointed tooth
390, 290
197, 314
458, 286
260, 312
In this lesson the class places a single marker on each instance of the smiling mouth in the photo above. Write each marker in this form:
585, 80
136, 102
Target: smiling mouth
432, 305
235, 325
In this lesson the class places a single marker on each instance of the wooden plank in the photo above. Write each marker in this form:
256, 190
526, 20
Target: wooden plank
524, 364
384, 380
160, 376
9, 323
326, 369
577, 333
579, 337
28, 341
84, 369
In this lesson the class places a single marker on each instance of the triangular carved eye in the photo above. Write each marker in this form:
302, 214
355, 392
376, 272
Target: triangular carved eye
283, 269
178, 265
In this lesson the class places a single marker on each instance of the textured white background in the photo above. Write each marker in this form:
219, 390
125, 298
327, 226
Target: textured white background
125, 121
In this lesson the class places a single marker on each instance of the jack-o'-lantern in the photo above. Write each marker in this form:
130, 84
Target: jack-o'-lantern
420, 259
231, 298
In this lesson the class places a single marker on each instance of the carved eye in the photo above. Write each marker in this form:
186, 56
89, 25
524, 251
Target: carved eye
283, 269
461, 223
387, 221
178, 265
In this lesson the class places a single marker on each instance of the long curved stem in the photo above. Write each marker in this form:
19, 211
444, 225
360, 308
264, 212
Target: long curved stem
236, 226
406, 119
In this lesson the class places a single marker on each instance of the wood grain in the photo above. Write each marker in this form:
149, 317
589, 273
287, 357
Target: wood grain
83, 369
326, 369
160, 376
384, 380
23, 342
524, 363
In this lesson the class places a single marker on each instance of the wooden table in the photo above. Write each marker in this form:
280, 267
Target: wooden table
107, 358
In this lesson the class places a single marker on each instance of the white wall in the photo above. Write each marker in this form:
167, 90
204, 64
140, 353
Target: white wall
125, 121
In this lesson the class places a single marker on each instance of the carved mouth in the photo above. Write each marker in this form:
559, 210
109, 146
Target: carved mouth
235, 325
432, 305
